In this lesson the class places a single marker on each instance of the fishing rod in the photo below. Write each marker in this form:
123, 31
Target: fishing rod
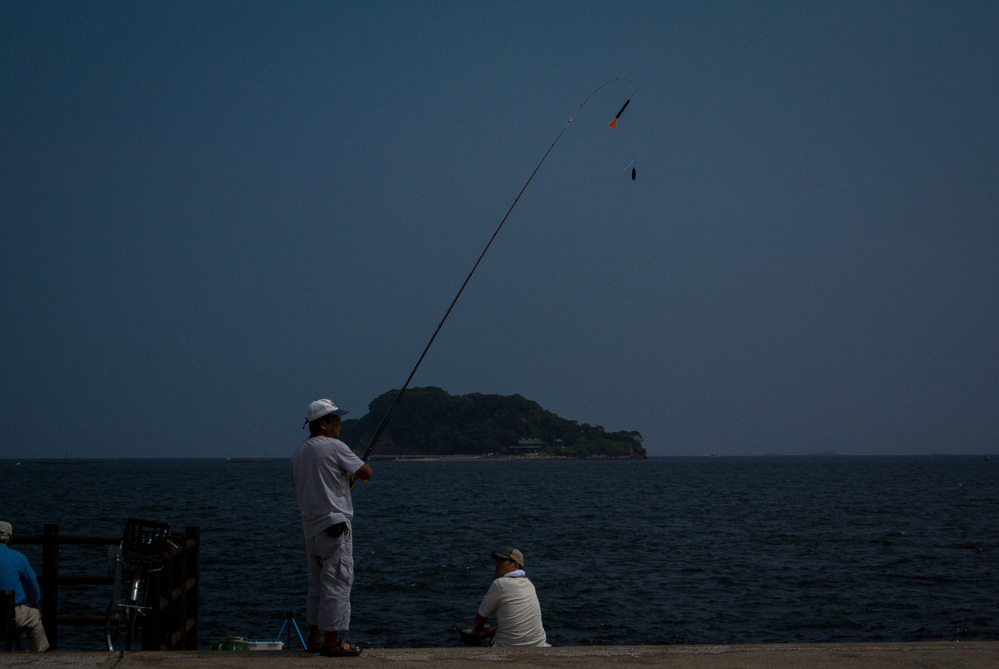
405, 386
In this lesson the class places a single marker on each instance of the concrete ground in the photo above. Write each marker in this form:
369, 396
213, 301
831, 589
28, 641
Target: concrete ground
970, 655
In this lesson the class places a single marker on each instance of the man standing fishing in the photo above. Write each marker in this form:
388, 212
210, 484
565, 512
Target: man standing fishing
323, 470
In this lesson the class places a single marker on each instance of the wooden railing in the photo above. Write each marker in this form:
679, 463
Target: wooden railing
172, 622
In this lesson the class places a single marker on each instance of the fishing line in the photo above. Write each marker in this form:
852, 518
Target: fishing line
634, 147
405, 386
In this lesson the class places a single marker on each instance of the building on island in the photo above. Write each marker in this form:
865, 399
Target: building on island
528, 446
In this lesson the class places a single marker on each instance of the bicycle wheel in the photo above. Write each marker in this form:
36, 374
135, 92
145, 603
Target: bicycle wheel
132, 631
115, 626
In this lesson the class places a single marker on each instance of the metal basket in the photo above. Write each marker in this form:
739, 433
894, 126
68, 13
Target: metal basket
144, 538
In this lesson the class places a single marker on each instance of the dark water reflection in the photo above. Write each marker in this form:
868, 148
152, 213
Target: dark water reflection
670, 550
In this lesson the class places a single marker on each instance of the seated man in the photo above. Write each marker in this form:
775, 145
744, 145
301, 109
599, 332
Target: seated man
17, 575
513, 600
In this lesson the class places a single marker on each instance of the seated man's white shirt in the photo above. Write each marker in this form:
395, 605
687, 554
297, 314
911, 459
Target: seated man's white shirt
518, 614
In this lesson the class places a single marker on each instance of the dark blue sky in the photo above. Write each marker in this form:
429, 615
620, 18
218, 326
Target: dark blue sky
214, 213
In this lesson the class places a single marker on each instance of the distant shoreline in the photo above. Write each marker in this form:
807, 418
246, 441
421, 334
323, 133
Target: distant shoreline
97, 460
491, 458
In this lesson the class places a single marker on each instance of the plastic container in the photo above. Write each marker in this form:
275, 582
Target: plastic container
242, 643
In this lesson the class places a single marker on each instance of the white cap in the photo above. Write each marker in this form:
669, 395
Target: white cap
321, 408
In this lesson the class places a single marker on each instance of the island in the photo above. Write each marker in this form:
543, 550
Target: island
430, 422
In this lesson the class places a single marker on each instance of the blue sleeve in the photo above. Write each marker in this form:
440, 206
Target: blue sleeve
29, 582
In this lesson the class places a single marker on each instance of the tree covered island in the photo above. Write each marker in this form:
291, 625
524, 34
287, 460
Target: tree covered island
432, 422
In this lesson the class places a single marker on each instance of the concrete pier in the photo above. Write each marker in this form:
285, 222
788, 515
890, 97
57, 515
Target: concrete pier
964, 654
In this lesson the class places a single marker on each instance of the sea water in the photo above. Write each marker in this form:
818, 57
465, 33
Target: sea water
660, 551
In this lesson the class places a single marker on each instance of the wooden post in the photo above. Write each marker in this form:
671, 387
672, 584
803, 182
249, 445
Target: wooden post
177, 596
180, 607
157, 631
50, 583
193, 558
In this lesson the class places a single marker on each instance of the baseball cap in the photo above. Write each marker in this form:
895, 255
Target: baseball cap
509, 554
321, 408
5, 530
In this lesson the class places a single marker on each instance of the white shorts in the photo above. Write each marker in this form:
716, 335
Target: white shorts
331, 573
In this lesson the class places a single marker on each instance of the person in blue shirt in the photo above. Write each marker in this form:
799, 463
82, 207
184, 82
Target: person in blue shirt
17, 575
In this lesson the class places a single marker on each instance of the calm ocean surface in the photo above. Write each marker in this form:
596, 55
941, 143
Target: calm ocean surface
662, 551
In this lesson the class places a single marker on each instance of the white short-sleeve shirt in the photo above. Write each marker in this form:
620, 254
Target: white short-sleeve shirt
518, 613
319, 470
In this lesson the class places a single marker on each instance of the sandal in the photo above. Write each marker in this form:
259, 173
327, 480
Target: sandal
341, 649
